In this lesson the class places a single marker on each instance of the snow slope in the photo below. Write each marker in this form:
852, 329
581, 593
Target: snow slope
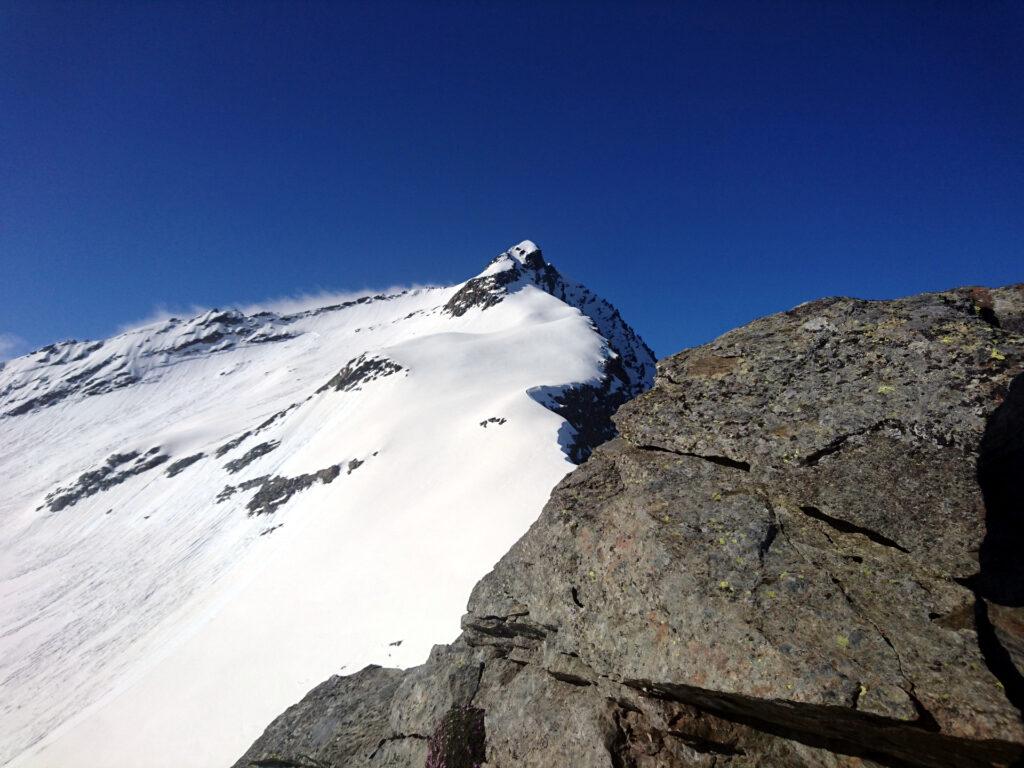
201, 519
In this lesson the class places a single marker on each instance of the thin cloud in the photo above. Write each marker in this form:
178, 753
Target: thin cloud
282, 305
11, 345
161, 313
300, 302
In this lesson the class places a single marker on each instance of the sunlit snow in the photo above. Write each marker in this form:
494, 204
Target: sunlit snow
148, 623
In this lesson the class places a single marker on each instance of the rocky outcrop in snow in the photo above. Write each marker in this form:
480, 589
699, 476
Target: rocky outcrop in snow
69, 369
803, 551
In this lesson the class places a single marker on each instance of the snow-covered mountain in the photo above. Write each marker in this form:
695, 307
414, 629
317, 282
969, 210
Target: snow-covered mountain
200, 519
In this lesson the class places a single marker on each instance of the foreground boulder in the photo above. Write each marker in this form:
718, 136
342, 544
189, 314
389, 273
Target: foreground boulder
803, 550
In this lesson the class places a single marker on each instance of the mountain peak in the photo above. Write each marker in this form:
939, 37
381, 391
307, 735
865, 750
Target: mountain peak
527, 253
523, 266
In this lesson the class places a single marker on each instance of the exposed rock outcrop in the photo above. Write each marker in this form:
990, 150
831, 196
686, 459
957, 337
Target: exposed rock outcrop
179, 466
78, 369
587, 409
362, 370
275, 492
343, 721
114, 471
237, 465
803, 550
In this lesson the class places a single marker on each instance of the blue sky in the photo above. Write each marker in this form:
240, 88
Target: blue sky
699, 164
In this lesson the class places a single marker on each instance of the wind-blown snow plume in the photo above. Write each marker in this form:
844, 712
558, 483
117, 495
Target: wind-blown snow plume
10, 345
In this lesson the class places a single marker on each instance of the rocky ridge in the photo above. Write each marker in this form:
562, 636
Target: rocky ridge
74, 370
77, 369
803, 550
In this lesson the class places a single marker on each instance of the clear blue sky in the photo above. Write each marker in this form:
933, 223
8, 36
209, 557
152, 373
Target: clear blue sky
699, 164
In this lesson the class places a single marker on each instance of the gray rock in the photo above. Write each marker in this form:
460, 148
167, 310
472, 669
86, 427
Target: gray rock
237, 465
342, 722
362, 370
118, 468
448, 680
177, 467
273, 492
803, 550
230, 445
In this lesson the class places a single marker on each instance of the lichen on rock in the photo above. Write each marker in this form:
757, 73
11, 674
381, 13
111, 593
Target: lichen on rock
802, 551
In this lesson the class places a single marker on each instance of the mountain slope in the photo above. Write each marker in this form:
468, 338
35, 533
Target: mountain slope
203, 517
803, 551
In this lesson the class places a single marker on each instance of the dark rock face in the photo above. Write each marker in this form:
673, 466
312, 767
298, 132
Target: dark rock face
460, 741
483, 292
237, 465
105, 376
233, 443
362, 370
801, 552
587, 409
275, 417
114, 471
1001, 476
180, 465
520, 265
274, 492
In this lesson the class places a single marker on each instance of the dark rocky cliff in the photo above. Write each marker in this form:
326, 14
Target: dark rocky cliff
803, 550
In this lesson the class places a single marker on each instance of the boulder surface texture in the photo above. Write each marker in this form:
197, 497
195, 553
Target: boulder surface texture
803, 549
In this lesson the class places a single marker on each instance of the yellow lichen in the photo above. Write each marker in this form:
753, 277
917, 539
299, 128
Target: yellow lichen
997, 355
886, 389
